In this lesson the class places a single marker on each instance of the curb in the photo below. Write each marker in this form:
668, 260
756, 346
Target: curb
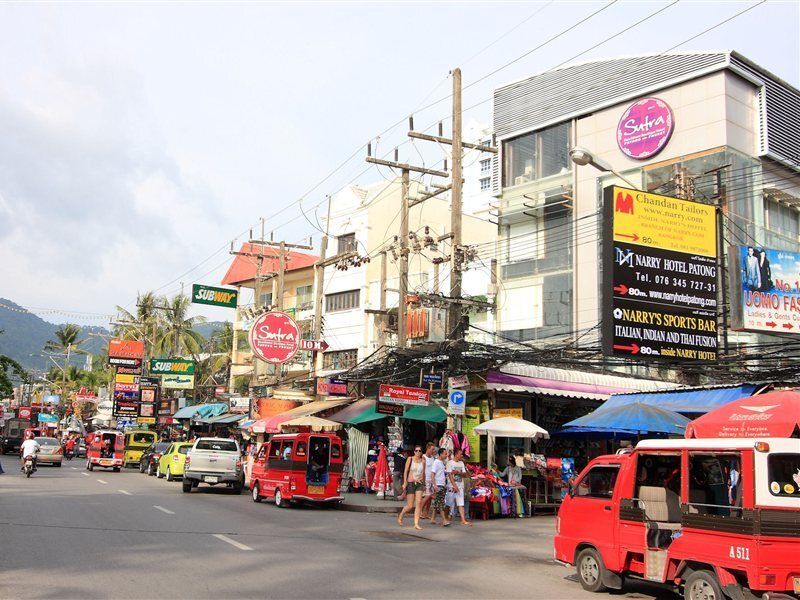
364, 508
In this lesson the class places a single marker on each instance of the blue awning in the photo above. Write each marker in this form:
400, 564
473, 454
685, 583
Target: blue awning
203, 411
187, 412
697, 400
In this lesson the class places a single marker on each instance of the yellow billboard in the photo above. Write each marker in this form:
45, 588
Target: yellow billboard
663, 222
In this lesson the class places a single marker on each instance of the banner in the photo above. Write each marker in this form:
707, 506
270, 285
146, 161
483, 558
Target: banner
239, 405
171, 365
118, 348
177, 382
214, 296
474, 416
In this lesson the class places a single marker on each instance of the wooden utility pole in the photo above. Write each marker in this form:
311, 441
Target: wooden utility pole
456, 330
237, 318
319, 285
382, 331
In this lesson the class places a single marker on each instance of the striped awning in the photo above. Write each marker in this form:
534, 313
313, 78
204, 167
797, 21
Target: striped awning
272, 424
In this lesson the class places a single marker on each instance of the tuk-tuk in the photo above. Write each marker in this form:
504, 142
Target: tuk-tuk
298, 467
105, 448
716, 517
136, 442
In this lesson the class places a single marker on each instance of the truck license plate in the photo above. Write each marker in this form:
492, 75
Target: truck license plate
316, 489
105, 462
211, 479
796, 581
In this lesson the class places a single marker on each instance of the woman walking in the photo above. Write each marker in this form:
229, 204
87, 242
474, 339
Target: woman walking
413, 486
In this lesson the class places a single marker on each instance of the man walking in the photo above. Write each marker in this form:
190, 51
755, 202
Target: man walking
439, 472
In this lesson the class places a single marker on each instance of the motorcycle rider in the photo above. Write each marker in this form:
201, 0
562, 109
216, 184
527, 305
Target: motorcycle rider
28, 448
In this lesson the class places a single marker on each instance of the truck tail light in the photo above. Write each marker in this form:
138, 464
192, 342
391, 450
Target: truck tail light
186, 462
766, 579
762, 446
238, 463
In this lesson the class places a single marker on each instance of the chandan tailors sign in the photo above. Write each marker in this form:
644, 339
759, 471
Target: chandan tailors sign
660, 277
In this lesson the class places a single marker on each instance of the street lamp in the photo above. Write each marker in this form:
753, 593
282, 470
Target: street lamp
582, 157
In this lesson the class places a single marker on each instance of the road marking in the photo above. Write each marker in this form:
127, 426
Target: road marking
74, 468
85, 474
162, 509
124, 492
233, 543
101, 481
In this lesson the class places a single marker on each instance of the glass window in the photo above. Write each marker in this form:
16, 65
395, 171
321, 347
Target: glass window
341, 359
220, 445
782, 219
486, 183
536, 155
658, 470
598, 483
486, 166
275, 449
305, 296
286, 450
347, 242
715, 483
336, 451
784, 474
265, 299
342, 301
183, 449
301, 448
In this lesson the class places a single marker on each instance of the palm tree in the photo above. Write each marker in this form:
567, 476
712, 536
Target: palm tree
177, 336
145, 324
66, 343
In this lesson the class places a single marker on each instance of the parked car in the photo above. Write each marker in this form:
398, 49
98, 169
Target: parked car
149, 460
214, 461
171, 463
51, 452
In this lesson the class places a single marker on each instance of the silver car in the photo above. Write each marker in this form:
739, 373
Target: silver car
50, 451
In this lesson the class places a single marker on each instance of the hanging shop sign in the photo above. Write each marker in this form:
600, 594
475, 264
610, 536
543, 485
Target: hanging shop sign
645, 128
214, 296
432, 378
132, 365
331, 387
459, 381
118, 348
172, 365
239, 405
275, 337
765, 290
177, 382
398, 394
314, 345
660, 289
25, 412
391, 409
219, 390
126, 405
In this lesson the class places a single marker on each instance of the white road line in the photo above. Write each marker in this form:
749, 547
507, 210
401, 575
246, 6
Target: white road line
101, 481
162, 509
74, 468
85, 474
124, 492
233, 543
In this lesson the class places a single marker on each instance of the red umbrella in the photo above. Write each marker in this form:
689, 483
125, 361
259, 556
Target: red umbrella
383, 476
776, 414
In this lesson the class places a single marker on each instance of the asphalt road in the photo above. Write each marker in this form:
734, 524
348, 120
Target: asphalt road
69, 533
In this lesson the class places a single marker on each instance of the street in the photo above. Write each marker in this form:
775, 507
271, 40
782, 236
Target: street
69, 533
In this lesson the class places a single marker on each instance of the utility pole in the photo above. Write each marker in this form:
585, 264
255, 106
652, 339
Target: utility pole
720, 196
319, 273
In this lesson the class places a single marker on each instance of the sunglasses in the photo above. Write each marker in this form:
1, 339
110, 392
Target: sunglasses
418, 450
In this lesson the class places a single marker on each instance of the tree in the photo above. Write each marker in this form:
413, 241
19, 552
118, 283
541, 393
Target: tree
6, 385
176, 337
66, 340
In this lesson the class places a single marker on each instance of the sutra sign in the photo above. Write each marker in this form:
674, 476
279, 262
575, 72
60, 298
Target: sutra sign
660, 277
397, 394
275, 337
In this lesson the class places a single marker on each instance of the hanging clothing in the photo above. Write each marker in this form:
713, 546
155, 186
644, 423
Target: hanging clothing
358, 446
447, 442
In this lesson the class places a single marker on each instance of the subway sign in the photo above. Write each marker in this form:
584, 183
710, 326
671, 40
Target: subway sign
659, 277
205, 294
171, 366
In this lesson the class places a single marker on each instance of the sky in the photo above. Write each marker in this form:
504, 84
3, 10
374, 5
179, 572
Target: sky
139, 139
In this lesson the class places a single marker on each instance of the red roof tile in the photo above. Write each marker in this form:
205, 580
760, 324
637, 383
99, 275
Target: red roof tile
243, 268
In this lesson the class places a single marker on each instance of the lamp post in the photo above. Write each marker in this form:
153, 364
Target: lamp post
581, 156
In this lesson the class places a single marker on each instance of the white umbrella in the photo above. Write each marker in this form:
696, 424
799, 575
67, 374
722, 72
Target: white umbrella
315, 423
508, 427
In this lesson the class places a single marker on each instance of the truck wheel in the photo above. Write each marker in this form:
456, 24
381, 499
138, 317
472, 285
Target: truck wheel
703, 585
279, 499
590, 570
255, 493
90, 466
115, 469
186, 485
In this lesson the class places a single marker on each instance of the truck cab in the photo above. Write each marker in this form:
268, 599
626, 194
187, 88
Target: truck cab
214, 461
714, 517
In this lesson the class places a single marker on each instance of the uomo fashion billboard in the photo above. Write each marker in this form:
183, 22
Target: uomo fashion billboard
765, 294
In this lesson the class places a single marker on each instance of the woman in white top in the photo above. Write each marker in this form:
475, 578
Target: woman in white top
414, 485
512, 472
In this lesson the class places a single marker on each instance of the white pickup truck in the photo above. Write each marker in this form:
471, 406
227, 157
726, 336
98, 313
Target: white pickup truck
214, 461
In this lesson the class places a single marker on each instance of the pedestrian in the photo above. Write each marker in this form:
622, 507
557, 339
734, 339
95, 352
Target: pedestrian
512, 473
439, 473
398, 469
427, 495
456, 471
413, 486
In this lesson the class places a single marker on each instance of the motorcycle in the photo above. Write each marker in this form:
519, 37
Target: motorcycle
28, 468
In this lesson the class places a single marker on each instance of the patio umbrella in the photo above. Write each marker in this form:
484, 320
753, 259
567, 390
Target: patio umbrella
315, 423
637, 418
383, 476
508, 427
775, 414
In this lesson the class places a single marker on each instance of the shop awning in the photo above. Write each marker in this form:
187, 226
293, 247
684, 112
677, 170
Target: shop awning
224, 419
776, 414
272, 424
430, 413
361, 411
694, 400
638, 417
246, 424
202, 411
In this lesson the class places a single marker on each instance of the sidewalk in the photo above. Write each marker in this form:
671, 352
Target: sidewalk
360, 502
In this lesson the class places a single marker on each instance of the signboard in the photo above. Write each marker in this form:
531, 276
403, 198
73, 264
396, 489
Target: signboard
239, 405
124, 423
456, 402
645, 128
177, 382
118, 348
131, 363
388, 408
398, 394
219, 390
274, 337
214, 296
498, 413
165, 407
331, 387
474, 415
52, 399
459, 381
660, 286
432, 378
24, 412
765, 290
146, 420
125, 405
172, 365
47, 418
313, 345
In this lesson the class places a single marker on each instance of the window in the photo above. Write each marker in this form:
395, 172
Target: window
347, 242
486, 166
143, 438
782, 219
715, 484
598, 483
336, 451
220, 445
522, 241
659, 470
342, 359
301, 448
286, 450
265, 300
275, 449
536, 155
784, 474
342, 301
183, 449
305, 296
486, 183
